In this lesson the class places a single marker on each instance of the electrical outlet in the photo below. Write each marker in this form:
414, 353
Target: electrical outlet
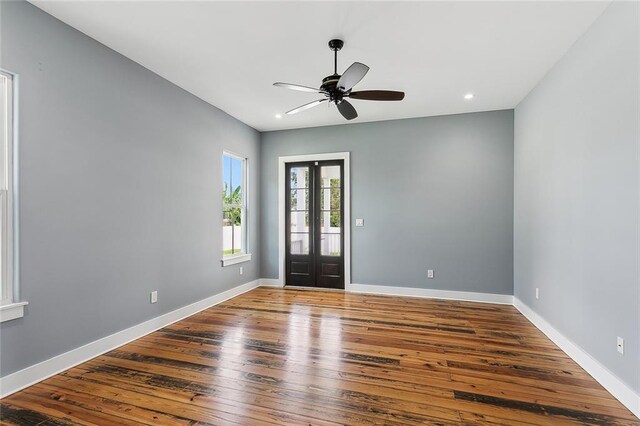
430, 273
241, 270
621, 345
537, 293
154, 296
359, 222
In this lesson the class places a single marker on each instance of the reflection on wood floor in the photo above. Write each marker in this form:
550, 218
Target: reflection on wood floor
283, 356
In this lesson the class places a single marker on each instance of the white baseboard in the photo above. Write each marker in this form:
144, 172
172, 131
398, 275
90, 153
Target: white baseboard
45, 369
504, 299
270, 282
38, 372
599, 372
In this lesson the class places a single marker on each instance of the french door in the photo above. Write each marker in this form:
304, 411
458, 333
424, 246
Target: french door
314, 224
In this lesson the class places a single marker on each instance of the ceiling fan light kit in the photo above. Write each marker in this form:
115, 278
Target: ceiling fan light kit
337, 87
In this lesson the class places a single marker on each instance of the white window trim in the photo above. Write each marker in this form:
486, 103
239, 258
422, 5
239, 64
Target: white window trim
12, 311
237, 258
245, 255
10, 307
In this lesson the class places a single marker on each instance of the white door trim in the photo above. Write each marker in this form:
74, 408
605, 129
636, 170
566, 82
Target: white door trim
282, 161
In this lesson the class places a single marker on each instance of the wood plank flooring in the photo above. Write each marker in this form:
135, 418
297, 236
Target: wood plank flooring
298, 357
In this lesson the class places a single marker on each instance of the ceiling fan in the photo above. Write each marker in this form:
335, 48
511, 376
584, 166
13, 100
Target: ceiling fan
337, 87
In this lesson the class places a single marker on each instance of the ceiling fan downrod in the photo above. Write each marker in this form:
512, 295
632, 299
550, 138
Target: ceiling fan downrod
335, 45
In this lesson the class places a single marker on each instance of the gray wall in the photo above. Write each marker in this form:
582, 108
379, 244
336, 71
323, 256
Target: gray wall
120, 187
576, 193
435, 193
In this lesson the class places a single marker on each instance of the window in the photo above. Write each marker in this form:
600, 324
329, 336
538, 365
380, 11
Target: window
234, 209
8, 308
5, 187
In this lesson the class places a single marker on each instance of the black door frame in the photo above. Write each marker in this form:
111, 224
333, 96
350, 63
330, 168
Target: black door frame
282, 162
316, 270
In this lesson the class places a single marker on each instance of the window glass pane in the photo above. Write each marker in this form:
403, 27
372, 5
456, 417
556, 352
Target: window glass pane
299, 199
233, 233
232, 174
226, 176
236, 179
4, 124
232, 216
299, 221
238, 239
5, 192
330, 244
330, 199
299, 177
330, 222
299, 243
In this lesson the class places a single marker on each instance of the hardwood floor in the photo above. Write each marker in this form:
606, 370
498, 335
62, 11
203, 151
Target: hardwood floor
274, 356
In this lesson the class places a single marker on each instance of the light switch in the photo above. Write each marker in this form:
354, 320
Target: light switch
359, 222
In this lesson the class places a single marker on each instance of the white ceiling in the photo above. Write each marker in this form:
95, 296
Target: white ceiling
230, 53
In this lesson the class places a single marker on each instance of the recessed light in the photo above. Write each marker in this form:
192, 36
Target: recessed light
469, 96
278, 115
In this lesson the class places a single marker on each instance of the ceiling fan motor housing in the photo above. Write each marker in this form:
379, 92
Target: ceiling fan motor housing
330, 87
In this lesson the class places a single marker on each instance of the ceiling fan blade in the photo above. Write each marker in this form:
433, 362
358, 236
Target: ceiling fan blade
306, 106
297, 87
352, 76
347, 110
377, 95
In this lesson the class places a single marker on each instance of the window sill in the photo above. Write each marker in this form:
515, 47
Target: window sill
239, 258
12, 311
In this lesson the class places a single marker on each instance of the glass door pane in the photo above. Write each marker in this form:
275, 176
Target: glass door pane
299, 177
330, 211
299, 243
299, 205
